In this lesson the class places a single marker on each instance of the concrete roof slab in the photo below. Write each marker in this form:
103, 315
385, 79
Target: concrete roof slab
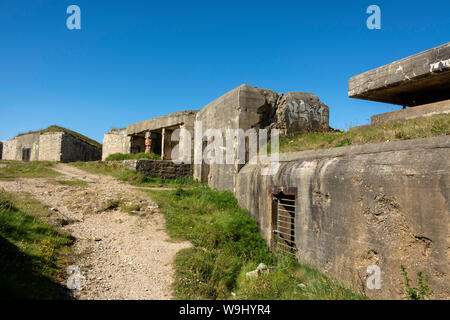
415, 80
166, 121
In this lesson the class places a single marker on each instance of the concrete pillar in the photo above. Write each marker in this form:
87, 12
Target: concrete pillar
186, 144
148, 142
163, 142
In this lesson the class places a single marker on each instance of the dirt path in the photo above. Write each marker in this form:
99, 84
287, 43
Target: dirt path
122, 255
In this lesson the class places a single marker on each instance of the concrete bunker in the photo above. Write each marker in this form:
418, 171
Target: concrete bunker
357, 206
421, 81
247, 107
367, 205
52, 144
26, 154
153, 136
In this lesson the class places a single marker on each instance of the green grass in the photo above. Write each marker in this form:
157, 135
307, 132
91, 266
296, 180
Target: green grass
55, 128
34, 169
127, 156
135, 178
25, 202
80, 183
227, 244
394, 130
32, 253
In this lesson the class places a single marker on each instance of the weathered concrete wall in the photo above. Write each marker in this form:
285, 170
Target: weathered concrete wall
385, 204
50, 146
166, 121
12, 149
247, 107
9, 150
419, 79
298, 112
427, 110
224, 113
73, 149
159, 168
116, 141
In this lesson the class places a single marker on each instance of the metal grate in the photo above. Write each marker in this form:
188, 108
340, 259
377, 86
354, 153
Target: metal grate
285, 232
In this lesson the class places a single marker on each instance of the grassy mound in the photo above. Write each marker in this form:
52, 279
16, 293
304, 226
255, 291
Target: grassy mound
55, 128
394, 130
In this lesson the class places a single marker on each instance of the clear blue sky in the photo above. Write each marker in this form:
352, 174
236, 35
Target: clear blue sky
134, 60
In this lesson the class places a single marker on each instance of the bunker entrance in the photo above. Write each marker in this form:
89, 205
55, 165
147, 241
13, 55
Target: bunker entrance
26, 154
283, 222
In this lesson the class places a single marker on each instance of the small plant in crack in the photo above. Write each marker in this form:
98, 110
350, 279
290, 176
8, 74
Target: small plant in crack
422, 291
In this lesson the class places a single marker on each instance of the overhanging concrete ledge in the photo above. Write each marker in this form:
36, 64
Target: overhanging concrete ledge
172, 119
419, 79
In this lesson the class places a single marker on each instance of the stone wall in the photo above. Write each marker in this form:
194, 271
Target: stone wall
73, 149
384, 204
1, 150
115, 141
159, 168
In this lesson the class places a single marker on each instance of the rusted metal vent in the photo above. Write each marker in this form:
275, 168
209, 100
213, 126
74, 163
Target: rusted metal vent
285, 217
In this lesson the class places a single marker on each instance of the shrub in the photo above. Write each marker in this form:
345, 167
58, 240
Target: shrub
118, 157
127, 156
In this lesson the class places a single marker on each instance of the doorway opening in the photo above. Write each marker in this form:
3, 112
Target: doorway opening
26, 154
283, 221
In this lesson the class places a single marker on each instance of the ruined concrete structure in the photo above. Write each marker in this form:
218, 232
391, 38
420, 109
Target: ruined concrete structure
155, 135
116, 141
346, 209
57, 144
244, 107
383, 204
419, 80
247, 107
